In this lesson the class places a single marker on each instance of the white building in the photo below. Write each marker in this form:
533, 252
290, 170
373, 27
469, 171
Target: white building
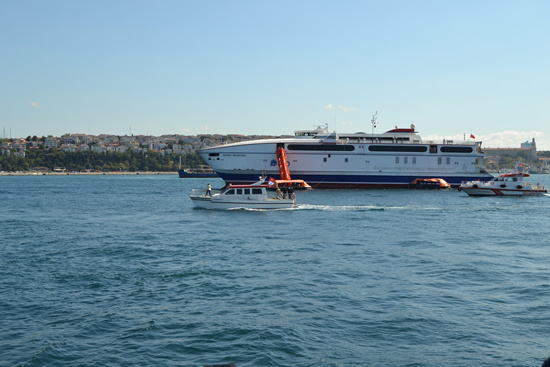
51, 143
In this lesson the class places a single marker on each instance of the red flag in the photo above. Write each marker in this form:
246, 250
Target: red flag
472, 136
272, 179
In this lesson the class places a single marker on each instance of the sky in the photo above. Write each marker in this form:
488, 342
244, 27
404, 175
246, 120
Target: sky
271, 67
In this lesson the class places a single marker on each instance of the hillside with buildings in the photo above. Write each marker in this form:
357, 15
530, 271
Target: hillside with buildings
83, 152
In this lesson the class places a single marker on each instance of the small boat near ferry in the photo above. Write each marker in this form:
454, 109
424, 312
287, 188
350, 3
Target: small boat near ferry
197, 173
253, 196
202, 171
508, 184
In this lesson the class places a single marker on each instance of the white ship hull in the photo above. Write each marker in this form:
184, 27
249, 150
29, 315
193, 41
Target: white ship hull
389, 160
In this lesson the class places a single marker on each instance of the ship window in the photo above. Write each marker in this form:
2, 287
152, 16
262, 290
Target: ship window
324, 159
414, 160
256, 191
247, 191
457, 149
515, 179
448, 160
322, 148
405, 160
396, 159
213, 154
433, 149
397, 148
230, 192
239, 191
346, 160
438, 160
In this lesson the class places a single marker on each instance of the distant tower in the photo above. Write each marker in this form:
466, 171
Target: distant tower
532, 146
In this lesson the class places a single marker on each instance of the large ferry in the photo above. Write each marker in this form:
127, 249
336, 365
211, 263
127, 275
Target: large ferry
338, 161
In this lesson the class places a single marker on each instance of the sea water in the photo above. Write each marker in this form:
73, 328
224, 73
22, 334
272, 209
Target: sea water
123, 271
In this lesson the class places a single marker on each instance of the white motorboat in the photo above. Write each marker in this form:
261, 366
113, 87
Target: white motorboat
253, 196
514, 183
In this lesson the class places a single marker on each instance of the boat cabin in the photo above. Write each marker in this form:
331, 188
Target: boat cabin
242, 191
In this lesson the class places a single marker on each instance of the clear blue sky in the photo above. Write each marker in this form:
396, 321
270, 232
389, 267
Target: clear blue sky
271, 67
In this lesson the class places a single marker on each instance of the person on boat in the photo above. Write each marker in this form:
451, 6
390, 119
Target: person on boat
285, 190
290, 192
279, 193
208, 190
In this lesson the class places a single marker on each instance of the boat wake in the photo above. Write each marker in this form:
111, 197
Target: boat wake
361, 207
340, 207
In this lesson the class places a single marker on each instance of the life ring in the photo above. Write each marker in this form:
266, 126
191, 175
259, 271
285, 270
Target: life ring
492, 183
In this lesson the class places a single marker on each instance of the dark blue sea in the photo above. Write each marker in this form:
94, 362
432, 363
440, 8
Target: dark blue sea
123, 271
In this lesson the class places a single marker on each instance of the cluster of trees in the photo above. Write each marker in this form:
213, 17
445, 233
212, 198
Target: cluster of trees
108, 161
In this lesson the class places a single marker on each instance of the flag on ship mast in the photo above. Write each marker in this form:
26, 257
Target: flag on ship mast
472, 136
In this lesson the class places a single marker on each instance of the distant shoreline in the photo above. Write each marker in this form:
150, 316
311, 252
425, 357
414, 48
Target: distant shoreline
83, 173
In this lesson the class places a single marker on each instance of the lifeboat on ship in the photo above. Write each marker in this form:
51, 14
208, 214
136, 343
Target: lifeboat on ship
429, 183
286, 181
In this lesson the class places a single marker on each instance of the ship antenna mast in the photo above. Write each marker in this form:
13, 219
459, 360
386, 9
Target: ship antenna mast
334, 118
374, 121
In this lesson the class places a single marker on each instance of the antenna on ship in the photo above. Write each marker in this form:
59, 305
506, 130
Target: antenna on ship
334, 118
374, 121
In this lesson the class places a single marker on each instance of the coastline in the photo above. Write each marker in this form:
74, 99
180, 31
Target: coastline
82, 173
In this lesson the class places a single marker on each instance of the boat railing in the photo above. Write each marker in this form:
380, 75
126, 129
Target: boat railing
202, 192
